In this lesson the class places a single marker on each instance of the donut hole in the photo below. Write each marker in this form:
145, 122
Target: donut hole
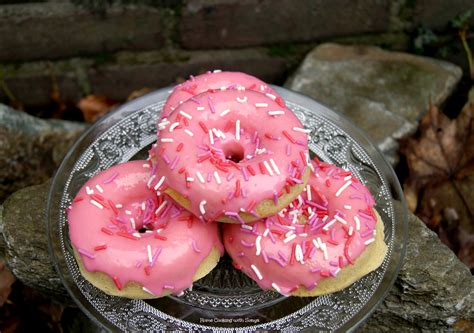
234, 151
142, 230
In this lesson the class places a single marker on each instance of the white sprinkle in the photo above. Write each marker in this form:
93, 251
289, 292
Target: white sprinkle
98, 205
223, 113
271, 96
299, 253
217, 70
311, 166
184, 114
201, 207
275, 167
325, 251
340, 219
136, 235
189, 179
99, 188
258, 245
200, 108
289, 233
246, 226
242, 100
257, 272
150, 256
173, 126
265, 233
261, 105
147, 291
275, 286
237, 130
343, 187
163, 204
216, 176
330, 223
188, 132
316, 244
118, 206
143, 205
146, 165
367, 242
351, 230
308, 192
357, 221
346, 178
348, 207
267, 166
160, 182
286, 240
89, 191
167, 140
200, 177
132, 223
152, 178
301, 130
211, 137
276, 113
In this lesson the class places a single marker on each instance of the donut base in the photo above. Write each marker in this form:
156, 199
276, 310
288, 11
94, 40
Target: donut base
133, 289
368, 261
263, 209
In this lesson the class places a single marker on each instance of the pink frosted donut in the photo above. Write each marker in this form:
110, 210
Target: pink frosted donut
322, 232
231, 156
216, 80
131, 243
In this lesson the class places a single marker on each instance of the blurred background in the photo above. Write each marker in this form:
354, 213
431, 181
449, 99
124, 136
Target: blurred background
401, 70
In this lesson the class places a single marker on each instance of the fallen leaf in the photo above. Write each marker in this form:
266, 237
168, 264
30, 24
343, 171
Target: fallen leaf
441, 178
6, 281
95, 106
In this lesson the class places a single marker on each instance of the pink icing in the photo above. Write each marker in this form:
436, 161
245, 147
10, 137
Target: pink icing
108, 241
339, 214
216, 80
225, 175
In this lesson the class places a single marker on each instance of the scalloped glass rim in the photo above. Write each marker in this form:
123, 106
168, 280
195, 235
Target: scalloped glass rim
397, 203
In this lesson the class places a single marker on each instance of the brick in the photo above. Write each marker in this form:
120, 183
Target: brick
56, 30
235, 23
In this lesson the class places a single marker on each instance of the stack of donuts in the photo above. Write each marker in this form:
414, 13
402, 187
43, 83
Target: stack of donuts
230, 172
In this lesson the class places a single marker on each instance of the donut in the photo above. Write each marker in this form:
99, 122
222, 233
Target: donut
128, 242
232, 156
216, 80
325, 240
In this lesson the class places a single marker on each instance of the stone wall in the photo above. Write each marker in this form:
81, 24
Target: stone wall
113, 47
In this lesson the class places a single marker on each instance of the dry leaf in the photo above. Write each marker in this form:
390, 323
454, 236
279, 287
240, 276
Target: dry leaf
6, 281
441, 178
95, 106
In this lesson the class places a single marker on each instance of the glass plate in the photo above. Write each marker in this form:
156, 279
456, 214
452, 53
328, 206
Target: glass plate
225, 299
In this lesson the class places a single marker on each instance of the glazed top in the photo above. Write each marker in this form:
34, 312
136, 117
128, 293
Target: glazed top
215, 80
120, 227
226, 151
326, 228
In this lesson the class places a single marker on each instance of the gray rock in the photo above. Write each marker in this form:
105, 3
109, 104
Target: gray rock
384, 93
31, 148
434, 290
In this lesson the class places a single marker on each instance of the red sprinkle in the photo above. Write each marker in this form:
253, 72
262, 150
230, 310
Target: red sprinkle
251, 170
183, 169
147, 269
220, 167
228, 126
203, 158
325, 274
78, 199
216, 215
341, 262
268, 136
262, 167
292, 257
303, 157
117, 283
280, 102
287, 188
251, 87
328, 183
126, 235
346, 250
204, 127
236, 265
190, 222
163, 238
106, 231
288, 136
112, 206
250, 206
100, 247
237, 188
180, 146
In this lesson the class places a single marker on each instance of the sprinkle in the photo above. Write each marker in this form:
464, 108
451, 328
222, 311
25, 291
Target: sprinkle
217, 177
147, 291
211, 137
158, 210
251, 170
89, 191
99, 188
261, 105
106, 231
241, 100
152, 178
184, 114
325, 251
289, 238
150, 256
271, 96
275, 286
173, 126
167, 140
203, 126
128, 212
330, 223
246, 226
316, 244
189, 179
117, 283
258, 245
132, 223
301, 130
357, 221
237, 130
98, 205
265, 233
257, 272
299, 253
340, 219
200, 108
276, 113
288, 136
201, 207
347, 178
351, 230
275, 167
343, 187
348, 207
267, 166
188, 132
200, 177
367, 242
160, 182
86, 253
223, 113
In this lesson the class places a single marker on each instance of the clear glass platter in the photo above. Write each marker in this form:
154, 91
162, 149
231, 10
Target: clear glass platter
226, 300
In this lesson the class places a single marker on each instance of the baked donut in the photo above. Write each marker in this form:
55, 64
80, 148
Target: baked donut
216, 80
128, 242
231, 156
329, 237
